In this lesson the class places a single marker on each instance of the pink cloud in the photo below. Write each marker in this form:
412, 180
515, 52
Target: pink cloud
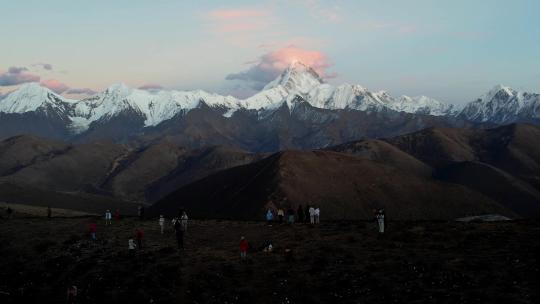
273, 63
239, 26
55, 85
238, 13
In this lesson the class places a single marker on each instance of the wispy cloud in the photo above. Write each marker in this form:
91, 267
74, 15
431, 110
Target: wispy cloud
151, 86
323, 11
237, 25
55, 85
268, 66
80, 91
17, 75
45, 66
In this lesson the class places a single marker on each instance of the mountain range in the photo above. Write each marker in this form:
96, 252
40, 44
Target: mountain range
296, 110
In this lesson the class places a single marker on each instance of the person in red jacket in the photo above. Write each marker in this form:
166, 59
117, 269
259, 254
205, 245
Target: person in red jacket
117, 215
92, 228
139, 235
243, 248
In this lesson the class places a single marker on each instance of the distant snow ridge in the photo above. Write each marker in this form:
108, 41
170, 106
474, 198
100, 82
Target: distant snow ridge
503, 105
156, 106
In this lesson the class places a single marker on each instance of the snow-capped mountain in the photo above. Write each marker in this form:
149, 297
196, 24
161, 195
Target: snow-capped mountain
157, 106
34, 98
503, 105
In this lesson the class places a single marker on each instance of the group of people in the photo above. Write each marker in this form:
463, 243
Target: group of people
308, 214
179, 224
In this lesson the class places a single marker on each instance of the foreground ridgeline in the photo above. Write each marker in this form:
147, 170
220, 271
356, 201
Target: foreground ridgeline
339, 262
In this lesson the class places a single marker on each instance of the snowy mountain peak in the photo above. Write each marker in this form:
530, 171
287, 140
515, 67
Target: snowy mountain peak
297, 77
31, 97
503, 104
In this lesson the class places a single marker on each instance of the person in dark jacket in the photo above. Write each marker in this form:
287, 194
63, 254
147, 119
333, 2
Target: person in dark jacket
300, 214
290, 215
92, 228
140, 212
243, 248
139, 235
49, 212
179, 234
307, 216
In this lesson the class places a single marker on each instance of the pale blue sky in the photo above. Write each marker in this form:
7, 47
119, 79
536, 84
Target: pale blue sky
450, 50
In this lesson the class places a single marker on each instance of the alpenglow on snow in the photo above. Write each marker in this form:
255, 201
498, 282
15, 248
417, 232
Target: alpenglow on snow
157, 106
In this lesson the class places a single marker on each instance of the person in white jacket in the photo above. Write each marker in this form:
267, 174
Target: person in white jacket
317, 214
131, 247
184, 221
108, 217
162, 223
312, 215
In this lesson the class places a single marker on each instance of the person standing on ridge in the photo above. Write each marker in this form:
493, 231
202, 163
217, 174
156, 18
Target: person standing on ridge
139, 235
49, 212
92, 229
184, 221
311, 211
140, 212
380, 220
243, 248
131, 247
179, 233
306, 214
300, 212
290, 215
108, 218
317, 215
161, 223
269, 217
280, 214
9, 212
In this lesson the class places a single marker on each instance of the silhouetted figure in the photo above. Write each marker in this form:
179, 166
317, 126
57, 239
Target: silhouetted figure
290, 215
139, 235
9, 212
306, 214
280, 215
161, 223
141, 212
179, 233
72, 294
300, 214
243, 248
117, 215
92, 229
380, 220
49, 212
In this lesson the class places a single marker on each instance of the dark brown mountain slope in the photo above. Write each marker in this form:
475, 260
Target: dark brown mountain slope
344, 186
511, 192
198, 164
21, 151
81, 168
383, 152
